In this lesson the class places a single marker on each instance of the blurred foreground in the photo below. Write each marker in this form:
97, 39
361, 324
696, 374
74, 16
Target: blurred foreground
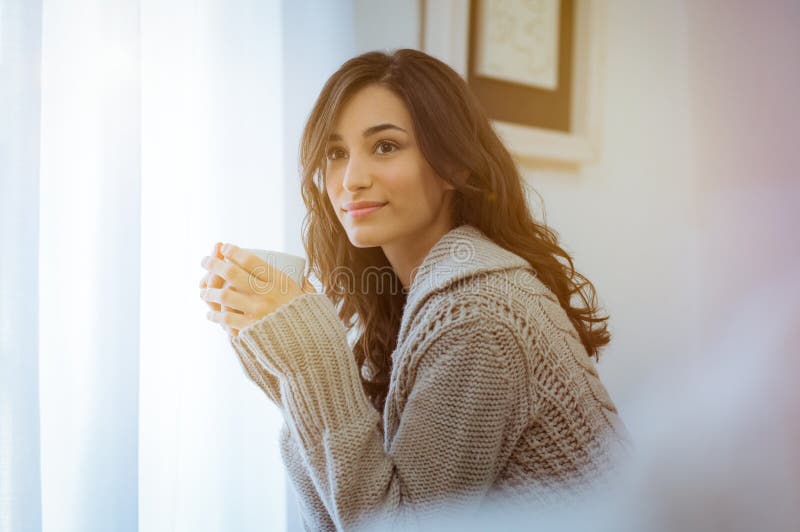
720, 447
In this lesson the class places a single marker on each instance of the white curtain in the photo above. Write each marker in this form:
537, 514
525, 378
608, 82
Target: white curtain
20, 52
135, 134
211, 150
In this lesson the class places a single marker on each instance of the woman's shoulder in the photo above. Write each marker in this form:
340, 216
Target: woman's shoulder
511, 305
467, 277
493, 302
463, 325
507, 296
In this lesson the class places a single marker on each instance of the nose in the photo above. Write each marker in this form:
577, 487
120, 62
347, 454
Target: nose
356, 175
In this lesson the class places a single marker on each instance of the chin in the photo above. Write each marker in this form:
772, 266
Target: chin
365, 237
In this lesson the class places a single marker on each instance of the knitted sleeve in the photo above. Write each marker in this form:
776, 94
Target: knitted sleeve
257, 374
312, 510
463, 409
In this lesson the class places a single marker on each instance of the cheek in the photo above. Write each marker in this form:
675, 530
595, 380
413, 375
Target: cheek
331, 186
406, 184
430, 188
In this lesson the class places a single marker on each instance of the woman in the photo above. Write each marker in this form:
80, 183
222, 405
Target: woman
470, 374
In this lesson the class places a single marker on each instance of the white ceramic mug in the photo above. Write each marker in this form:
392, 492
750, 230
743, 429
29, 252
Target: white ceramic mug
291, 265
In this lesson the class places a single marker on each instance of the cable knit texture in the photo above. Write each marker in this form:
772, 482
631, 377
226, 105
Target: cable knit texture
492, 396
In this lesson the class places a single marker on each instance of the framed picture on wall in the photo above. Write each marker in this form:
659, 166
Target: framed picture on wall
535, 65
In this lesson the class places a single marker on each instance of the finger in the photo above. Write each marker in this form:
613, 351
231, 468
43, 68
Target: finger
215, 281
219, 282
229, 319
231, 273
229, 298
229, 309
204, 282
216, 267
211, 281
223, 284
251, 264
215, 252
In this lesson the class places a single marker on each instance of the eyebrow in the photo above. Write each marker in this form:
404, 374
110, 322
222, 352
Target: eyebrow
369, 131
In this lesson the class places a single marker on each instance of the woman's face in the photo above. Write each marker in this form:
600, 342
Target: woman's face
373, 156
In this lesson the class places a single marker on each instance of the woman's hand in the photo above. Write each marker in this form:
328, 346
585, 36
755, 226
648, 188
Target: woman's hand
211, 280
250, 289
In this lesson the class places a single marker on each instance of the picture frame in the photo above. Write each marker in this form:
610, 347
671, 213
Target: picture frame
446, 35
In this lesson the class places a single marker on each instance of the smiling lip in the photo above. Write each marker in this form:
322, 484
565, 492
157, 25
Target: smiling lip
358, 213
354, 205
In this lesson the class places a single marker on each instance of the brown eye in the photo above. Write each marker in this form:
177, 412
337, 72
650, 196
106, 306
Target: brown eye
332, 153
385, 143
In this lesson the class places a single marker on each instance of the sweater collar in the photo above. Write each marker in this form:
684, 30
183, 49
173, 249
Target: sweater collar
462, 252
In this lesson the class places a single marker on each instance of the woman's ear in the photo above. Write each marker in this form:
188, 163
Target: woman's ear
459, 176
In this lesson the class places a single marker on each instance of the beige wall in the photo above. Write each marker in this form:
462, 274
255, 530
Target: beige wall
688, 224
630, 220
689, 211
745, 75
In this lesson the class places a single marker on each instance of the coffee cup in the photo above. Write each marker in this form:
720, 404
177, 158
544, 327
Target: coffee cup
291, 265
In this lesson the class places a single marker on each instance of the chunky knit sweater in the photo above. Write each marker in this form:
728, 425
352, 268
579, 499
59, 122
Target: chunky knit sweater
491, 395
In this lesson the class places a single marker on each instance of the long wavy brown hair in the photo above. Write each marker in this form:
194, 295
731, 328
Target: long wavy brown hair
456, 138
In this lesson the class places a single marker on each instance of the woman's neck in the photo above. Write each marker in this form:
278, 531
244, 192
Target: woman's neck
407, 253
